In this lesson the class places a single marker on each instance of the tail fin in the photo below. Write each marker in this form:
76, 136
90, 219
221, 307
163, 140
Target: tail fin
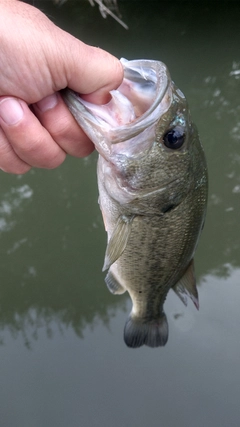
153, 333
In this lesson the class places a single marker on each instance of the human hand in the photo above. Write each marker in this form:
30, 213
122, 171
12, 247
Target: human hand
37, 60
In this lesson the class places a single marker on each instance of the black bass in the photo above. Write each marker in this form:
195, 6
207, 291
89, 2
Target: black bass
152, 179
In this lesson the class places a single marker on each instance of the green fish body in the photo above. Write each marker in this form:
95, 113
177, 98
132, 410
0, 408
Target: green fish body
152, 179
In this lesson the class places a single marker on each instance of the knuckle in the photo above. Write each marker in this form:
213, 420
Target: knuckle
9, 161
71, 138
42, 152
54, 162
29, 145
65, 131
60, 128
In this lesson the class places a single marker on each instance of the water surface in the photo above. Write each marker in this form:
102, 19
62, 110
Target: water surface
63, 360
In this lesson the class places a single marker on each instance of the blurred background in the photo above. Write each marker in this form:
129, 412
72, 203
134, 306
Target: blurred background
63, 361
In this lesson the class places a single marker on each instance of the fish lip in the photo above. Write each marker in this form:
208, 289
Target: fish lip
123, 132
163, 81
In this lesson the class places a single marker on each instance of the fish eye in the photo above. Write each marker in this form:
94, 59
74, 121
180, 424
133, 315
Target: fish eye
174, 138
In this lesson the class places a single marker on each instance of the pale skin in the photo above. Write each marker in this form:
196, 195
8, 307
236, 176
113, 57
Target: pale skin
37, 60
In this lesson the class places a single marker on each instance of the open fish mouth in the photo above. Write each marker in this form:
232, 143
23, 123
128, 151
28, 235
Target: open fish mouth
137, 104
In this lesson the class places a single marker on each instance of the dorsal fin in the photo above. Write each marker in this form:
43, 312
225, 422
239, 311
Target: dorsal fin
186, 286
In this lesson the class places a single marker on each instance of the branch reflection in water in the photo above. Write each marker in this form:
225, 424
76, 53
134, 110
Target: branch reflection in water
51, 254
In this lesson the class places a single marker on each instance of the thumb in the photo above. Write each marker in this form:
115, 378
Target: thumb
91, 71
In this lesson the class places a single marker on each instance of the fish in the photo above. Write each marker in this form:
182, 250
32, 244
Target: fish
153, 185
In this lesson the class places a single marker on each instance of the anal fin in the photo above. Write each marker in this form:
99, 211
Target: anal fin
118, 241
113, 285
186, 286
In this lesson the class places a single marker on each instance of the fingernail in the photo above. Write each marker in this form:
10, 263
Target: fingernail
11, 111
48, 103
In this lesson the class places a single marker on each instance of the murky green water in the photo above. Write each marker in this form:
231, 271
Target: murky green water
62, 357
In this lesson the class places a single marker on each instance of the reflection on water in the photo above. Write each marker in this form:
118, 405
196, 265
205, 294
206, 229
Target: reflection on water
52, 244
220, 309
219, 126
50, 257
11, 201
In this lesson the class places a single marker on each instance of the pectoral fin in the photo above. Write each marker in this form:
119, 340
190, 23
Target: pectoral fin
118, 241
186, 287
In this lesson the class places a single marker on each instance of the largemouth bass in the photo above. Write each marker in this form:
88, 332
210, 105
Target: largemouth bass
152, 179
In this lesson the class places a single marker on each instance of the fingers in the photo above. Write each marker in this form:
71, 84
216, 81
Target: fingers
24, 141
44, 58
42, 137
40, 140
56, 118
9, 161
